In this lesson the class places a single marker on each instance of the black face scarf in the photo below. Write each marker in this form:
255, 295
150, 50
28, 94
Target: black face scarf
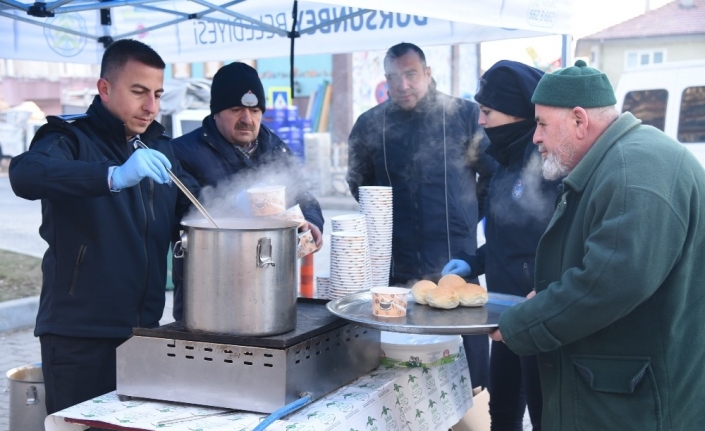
502, 138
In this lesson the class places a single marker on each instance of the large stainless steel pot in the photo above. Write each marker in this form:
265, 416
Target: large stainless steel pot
26, 387
240, 278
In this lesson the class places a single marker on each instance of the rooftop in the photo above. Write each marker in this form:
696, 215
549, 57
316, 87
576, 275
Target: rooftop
679, 17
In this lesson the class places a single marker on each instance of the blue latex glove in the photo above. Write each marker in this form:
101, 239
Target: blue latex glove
142, 163
242, 203
457, 267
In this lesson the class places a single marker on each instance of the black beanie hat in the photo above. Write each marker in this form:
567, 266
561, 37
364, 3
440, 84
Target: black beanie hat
507, 87
237, 84
578, 85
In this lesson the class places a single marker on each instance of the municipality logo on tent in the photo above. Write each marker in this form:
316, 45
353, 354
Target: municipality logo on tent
63, 43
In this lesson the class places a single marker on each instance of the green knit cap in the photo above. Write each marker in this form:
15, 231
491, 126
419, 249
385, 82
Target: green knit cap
579, 85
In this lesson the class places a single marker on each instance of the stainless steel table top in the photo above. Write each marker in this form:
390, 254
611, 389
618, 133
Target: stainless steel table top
424, 319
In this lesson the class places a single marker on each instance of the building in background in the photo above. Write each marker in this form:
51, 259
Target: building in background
656, 62
673, 32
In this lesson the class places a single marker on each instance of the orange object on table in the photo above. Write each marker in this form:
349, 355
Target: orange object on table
307, 276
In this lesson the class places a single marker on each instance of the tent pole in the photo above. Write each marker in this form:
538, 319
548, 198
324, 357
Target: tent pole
565, 51
293, 34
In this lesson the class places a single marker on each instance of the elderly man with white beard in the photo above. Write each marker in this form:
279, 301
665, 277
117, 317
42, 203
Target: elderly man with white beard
619, 271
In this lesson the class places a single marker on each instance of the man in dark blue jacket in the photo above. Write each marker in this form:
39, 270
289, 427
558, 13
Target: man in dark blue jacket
232, 147
108, 217
428, 147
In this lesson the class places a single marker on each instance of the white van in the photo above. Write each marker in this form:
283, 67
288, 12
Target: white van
670, 97
183, 122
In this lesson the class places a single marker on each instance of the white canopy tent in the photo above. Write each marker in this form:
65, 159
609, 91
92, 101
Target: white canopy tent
77, 31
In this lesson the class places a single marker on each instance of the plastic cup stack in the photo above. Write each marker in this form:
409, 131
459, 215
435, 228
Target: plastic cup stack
376, 205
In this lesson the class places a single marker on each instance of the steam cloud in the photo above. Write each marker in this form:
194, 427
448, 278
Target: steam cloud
534, 204
219, 201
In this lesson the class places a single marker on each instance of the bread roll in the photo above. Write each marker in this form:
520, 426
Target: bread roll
451, 280
472, 295
421, 289
443, 297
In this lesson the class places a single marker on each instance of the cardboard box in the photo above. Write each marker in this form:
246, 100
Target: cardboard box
478, 417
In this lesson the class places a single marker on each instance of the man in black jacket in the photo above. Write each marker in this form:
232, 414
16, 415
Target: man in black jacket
108, 216
234, 148
428, 147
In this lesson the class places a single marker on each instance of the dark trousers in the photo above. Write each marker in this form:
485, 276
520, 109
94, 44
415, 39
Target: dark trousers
477, 350
514, 385
77, 369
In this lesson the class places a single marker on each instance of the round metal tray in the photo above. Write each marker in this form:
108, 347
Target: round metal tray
423, 319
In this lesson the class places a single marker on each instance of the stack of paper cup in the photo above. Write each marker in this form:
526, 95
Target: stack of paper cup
376, 205
347, 263
323, 286
355, 223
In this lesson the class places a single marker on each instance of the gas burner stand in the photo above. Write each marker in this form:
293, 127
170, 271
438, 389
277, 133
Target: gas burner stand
259, 374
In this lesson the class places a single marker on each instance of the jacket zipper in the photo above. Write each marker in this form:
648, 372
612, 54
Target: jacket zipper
129, 149
151, 199
76, 270
146, 256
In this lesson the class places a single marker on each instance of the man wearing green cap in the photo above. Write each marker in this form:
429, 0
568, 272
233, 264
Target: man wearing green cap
620, 270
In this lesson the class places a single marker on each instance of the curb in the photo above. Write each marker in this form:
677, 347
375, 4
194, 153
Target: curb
18, 313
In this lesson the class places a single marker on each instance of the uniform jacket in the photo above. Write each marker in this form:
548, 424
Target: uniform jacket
105, 269
430, 156
518, 207
206, 155
620, 294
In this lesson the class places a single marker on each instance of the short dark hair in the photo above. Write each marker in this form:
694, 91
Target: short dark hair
121, 51
402, 49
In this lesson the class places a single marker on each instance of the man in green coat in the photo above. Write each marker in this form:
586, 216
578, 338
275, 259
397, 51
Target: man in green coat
620, 271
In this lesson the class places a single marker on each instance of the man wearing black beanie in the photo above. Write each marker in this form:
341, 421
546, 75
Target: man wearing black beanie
233, 143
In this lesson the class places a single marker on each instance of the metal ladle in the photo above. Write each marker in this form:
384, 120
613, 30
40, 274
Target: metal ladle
182, 187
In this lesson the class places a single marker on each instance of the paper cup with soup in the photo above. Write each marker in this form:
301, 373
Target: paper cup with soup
306, 244
268, 200
292, 214
389, 301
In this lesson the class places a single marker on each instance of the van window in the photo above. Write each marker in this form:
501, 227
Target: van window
691, 125
647, 105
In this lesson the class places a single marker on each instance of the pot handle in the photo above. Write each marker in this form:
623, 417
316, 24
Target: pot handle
179, 250
32, 396
264, 252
